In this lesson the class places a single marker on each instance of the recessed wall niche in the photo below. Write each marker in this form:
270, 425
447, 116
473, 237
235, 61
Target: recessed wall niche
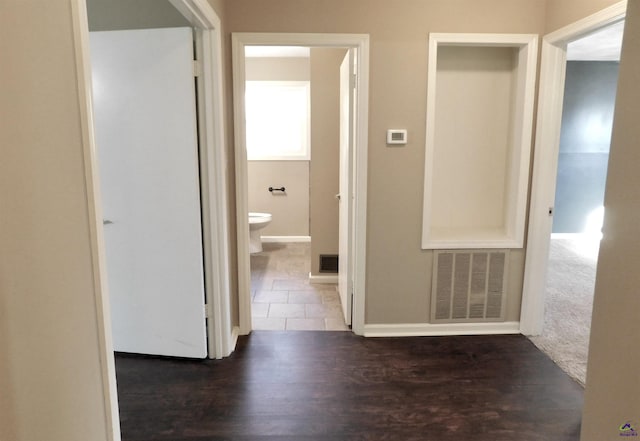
480, 95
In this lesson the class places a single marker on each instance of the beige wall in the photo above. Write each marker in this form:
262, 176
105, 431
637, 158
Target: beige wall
470, 174
8, 418
110, 15
218, 6
613, 376
561, 13
277, 69
325, 152
290, 210
49, 332
398, 271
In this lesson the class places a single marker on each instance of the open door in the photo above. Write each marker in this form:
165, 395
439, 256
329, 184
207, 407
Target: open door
347, 114
146, 137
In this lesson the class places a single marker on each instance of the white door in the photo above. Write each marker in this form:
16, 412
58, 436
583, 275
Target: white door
345, 270
145, 122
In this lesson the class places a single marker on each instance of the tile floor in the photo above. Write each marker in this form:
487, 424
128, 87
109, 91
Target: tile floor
283, 298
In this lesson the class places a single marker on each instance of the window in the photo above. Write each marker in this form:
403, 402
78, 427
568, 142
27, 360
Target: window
277, 120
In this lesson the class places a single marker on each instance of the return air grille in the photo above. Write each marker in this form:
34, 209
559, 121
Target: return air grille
469, 286
328, 263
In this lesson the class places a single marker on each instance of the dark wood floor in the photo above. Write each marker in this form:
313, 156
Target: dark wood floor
297, 386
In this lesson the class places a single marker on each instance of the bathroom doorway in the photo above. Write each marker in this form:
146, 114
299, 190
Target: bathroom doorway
288, 182
292, 129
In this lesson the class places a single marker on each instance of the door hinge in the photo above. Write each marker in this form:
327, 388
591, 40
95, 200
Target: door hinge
197, 68
208, 311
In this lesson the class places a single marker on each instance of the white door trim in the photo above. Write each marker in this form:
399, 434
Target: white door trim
361, 43
221, 336
92, 184
545, 162
202, 17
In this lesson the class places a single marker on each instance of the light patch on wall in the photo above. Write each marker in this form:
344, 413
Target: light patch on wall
595, 219
587, 243
597, 127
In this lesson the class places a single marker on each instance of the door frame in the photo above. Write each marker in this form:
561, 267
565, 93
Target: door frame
345, 216
215, 199
545, 162
359, 166
221, 335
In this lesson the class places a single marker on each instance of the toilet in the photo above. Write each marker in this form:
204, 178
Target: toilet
257, 221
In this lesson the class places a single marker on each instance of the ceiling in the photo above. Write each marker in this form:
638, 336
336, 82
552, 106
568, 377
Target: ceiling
276, 51
602, 45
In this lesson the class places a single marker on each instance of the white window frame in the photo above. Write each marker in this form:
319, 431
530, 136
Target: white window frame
304, 153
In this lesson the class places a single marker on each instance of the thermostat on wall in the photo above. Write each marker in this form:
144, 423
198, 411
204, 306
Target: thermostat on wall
396, 136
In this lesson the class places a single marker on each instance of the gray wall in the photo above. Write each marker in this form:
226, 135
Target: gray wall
587, 117
111, 15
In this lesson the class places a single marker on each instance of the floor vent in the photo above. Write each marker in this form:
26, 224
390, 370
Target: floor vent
328, 263
469, 286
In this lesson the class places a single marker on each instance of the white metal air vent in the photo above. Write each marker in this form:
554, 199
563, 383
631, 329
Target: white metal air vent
469, 286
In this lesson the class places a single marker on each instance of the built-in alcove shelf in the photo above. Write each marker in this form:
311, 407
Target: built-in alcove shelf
480, 97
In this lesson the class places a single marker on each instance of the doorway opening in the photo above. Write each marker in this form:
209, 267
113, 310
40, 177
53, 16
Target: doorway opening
144, 146
575, 172
585, 136
300, 179
212, 180
292, 106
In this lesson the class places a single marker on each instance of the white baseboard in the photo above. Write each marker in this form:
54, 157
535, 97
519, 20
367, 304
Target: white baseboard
429, 329
333, 279
286, 239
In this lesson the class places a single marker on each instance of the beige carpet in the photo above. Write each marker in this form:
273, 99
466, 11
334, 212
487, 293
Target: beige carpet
568, 304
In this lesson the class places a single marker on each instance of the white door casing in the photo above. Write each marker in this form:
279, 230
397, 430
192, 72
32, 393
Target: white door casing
360, 42
214, 190
545, 160
146, 137
345, 199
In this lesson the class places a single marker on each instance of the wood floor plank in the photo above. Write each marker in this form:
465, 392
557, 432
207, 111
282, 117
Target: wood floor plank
321, 386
